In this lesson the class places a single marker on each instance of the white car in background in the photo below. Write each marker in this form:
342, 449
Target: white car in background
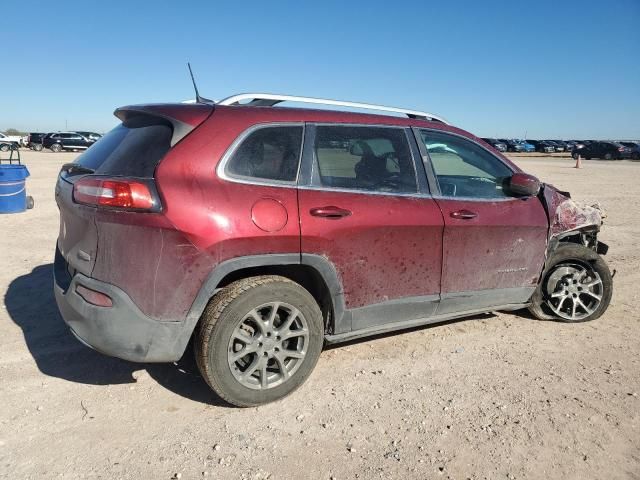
9, 139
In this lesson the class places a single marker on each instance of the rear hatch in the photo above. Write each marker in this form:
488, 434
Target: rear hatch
131, 151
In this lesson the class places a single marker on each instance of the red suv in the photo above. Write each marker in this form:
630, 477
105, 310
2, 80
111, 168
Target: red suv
264, 233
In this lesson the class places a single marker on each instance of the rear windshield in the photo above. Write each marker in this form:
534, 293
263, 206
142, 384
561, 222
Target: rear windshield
134, 148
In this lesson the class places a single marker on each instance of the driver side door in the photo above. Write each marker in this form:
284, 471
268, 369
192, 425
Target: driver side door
493, 244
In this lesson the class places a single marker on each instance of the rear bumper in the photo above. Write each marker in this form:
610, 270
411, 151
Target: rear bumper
122, 330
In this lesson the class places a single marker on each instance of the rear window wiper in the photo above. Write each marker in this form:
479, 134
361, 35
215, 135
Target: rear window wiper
72, 168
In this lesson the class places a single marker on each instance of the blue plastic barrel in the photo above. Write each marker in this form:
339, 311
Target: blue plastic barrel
13, 194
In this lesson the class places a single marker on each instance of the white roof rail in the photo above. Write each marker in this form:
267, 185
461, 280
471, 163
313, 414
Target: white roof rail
269, 100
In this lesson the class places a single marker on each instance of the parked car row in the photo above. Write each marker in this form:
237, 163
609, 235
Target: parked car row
58, 141
607, 150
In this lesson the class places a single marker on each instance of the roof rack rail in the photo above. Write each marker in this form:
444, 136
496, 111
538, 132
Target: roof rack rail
269, 100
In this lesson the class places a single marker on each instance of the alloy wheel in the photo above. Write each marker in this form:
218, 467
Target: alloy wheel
575, 291
268, 345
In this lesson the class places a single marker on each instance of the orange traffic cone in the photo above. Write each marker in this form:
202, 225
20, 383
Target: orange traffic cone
579, 162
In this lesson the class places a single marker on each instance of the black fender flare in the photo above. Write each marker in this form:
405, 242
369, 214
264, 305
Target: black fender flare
326, 269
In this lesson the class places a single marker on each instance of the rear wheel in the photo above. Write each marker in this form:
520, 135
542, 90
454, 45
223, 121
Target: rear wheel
575, 287
4, 147
608, 156
56, 147
259, 339
37, 147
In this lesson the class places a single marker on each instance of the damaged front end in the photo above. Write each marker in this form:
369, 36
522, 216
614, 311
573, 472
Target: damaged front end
570, 221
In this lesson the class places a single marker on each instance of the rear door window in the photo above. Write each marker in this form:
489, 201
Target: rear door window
134, 148
365, 158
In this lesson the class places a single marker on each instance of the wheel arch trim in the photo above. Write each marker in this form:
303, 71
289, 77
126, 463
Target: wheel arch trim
328, 272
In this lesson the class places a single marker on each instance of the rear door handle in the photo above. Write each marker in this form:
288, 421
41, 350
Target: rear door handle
330, 211
463, 214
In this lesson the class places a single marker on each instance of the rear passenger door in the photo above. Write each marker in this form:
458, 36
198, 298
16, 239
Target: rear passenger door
364, 210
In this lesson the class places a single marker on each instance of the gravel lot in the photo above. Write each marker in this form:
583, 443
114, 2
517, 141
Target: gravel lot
498, 396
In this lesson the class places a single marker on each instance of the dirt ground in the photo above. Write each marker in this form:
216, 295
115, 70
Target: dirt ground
499, 396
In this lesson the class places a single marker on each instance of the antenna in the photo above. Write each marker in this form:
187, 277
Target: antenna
199, 99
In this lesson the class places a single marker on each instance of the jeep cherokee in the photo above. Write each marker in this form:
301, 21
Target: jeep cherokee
263, 233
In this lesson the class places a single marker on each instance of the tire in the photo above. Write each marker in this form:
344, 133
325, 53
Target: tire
37, 147
574, 155
29, 202
635, 156
227, 324
56, 147
565, 263
4, 147
608, 156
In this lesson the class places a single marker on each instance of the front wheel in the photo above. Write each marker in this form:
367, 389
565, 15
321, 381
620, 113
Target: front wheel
575, 287
259, 339
4, 147
37, 147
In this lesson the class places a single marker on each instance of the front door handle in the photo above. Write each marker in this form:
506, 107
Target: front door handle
330, 212
463, 214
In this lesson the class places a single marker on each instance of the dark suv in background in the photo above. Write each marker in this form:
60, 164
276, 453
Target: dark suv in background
260, 233
59, 141
634, 147
34, 141
603, 150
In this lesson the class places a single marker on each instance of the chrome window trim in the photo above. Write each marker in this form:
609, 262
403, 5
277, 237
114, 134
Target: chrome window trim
472, 141
315, 165
363, 192
222, 164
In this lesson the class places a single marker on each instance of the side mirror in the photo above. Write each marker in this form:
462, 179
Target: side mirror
523, 185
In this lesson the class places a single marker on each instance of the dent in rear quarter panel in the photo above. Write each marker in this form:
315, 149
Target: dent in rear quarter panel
152, 262
213, 214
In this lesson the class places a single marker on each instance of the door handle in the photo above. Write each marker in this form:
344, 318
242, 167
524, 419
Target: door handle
463, 214
330, 212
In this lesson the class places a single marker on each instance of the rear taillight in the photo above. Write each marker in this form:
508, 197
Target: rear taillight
116, 193
621, 149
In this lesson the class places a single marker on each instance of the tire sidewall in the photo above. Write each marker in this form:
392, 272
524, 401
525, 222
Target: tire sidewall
234, 312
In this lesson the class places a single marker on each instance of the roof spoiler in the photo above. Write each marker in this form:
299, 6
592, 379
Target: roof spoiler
183, 118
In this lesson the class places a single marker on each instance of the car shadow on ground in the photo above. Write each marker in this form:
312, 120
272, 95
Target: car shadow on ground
31, 304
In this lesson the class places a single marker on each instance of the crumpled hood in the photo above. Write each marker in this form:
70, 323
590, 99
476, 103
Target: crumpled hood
567, 215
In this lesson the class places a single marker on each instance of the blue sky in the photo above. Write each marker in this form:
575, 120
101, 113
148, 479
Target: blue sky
553, 69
